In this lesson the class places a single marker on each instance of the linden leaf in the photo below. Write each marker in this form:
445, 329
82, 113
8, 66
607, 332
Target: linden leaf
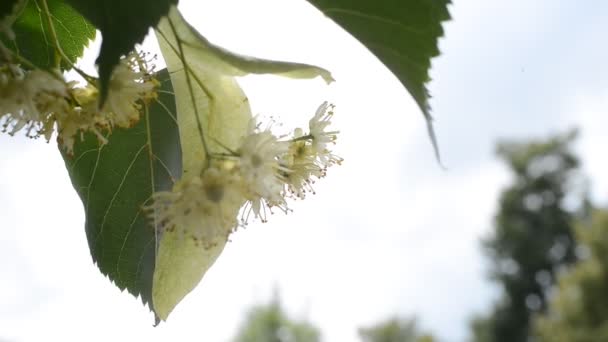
115, 180
403, 34
33, 39
123, 23
224, 114
226, 62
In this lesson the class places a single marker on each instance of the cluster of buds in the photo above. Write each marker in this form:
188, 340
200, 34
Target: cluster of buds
262, 174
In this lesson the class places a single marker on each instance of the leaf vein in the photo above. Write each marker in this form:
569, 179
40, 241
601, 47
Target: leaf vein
93, 178
167, 110
46, 42
372, 17
164, 167
122, 182
138, 269
72, 37
81, 156
398, 54
124, 243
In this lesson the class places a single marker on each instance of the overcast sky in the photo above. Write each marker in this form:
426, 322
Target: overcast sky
388, 232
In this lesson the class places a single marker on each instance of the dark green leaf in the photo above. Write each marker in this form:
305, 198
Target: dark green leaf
34, 40
6, 7
123, 23
403, 34
114, 181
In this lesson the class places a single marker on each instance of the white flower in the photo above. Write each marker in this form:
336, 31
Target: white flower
301, 165
203, 208
321, 139
259, 167
131, 83
80, 118
258, 176
28, 100
37, 100
15, 104
50, 97
309, 156
317, 126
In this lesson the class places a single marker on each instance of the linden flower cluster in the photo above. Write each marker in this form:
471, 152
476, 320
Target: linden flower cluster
40, 102
263, 173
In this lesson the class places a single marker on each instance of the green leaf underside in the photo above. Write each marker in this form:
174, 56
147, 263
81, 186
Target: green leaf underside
34, 41
229, 63
224, 113
123, 23
114, 181
403, 34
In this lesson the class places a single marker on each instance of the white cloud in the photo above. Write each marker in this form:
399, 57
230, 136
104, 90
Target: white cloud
587, 111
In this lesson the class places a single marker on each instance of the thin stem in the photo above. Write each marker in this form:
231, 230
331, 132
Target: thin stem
304, 137
224, 155
9, 56
51, 28
225, 147
187, 67
151, 161
189, 82
14, 57
57, 45
25, 62
5, 52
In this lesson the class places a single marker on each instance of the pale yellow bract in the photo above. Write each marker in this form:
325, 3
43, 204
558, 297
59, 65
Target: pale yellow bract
213, 116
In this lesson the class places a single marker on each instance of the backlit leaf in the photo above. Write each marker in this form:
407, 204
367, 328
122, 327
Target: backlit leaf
225, 62
224, 112
34, 41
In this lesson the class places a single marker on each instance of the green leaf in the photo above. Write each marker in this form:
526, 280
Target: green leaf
403, 34
34, 39
115, 180
226, 62
123, 23
224, 114
8, 8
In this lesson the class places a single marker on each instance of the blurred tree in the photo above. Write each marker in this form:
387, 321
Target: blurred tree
395, 330
269, 323
579, 310
533, 234
481, 328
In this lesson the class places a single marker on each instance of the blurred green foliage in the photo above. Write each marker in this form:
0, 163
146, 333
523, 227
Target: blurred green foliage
270, 323
533, 235
579, 310
395, 330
